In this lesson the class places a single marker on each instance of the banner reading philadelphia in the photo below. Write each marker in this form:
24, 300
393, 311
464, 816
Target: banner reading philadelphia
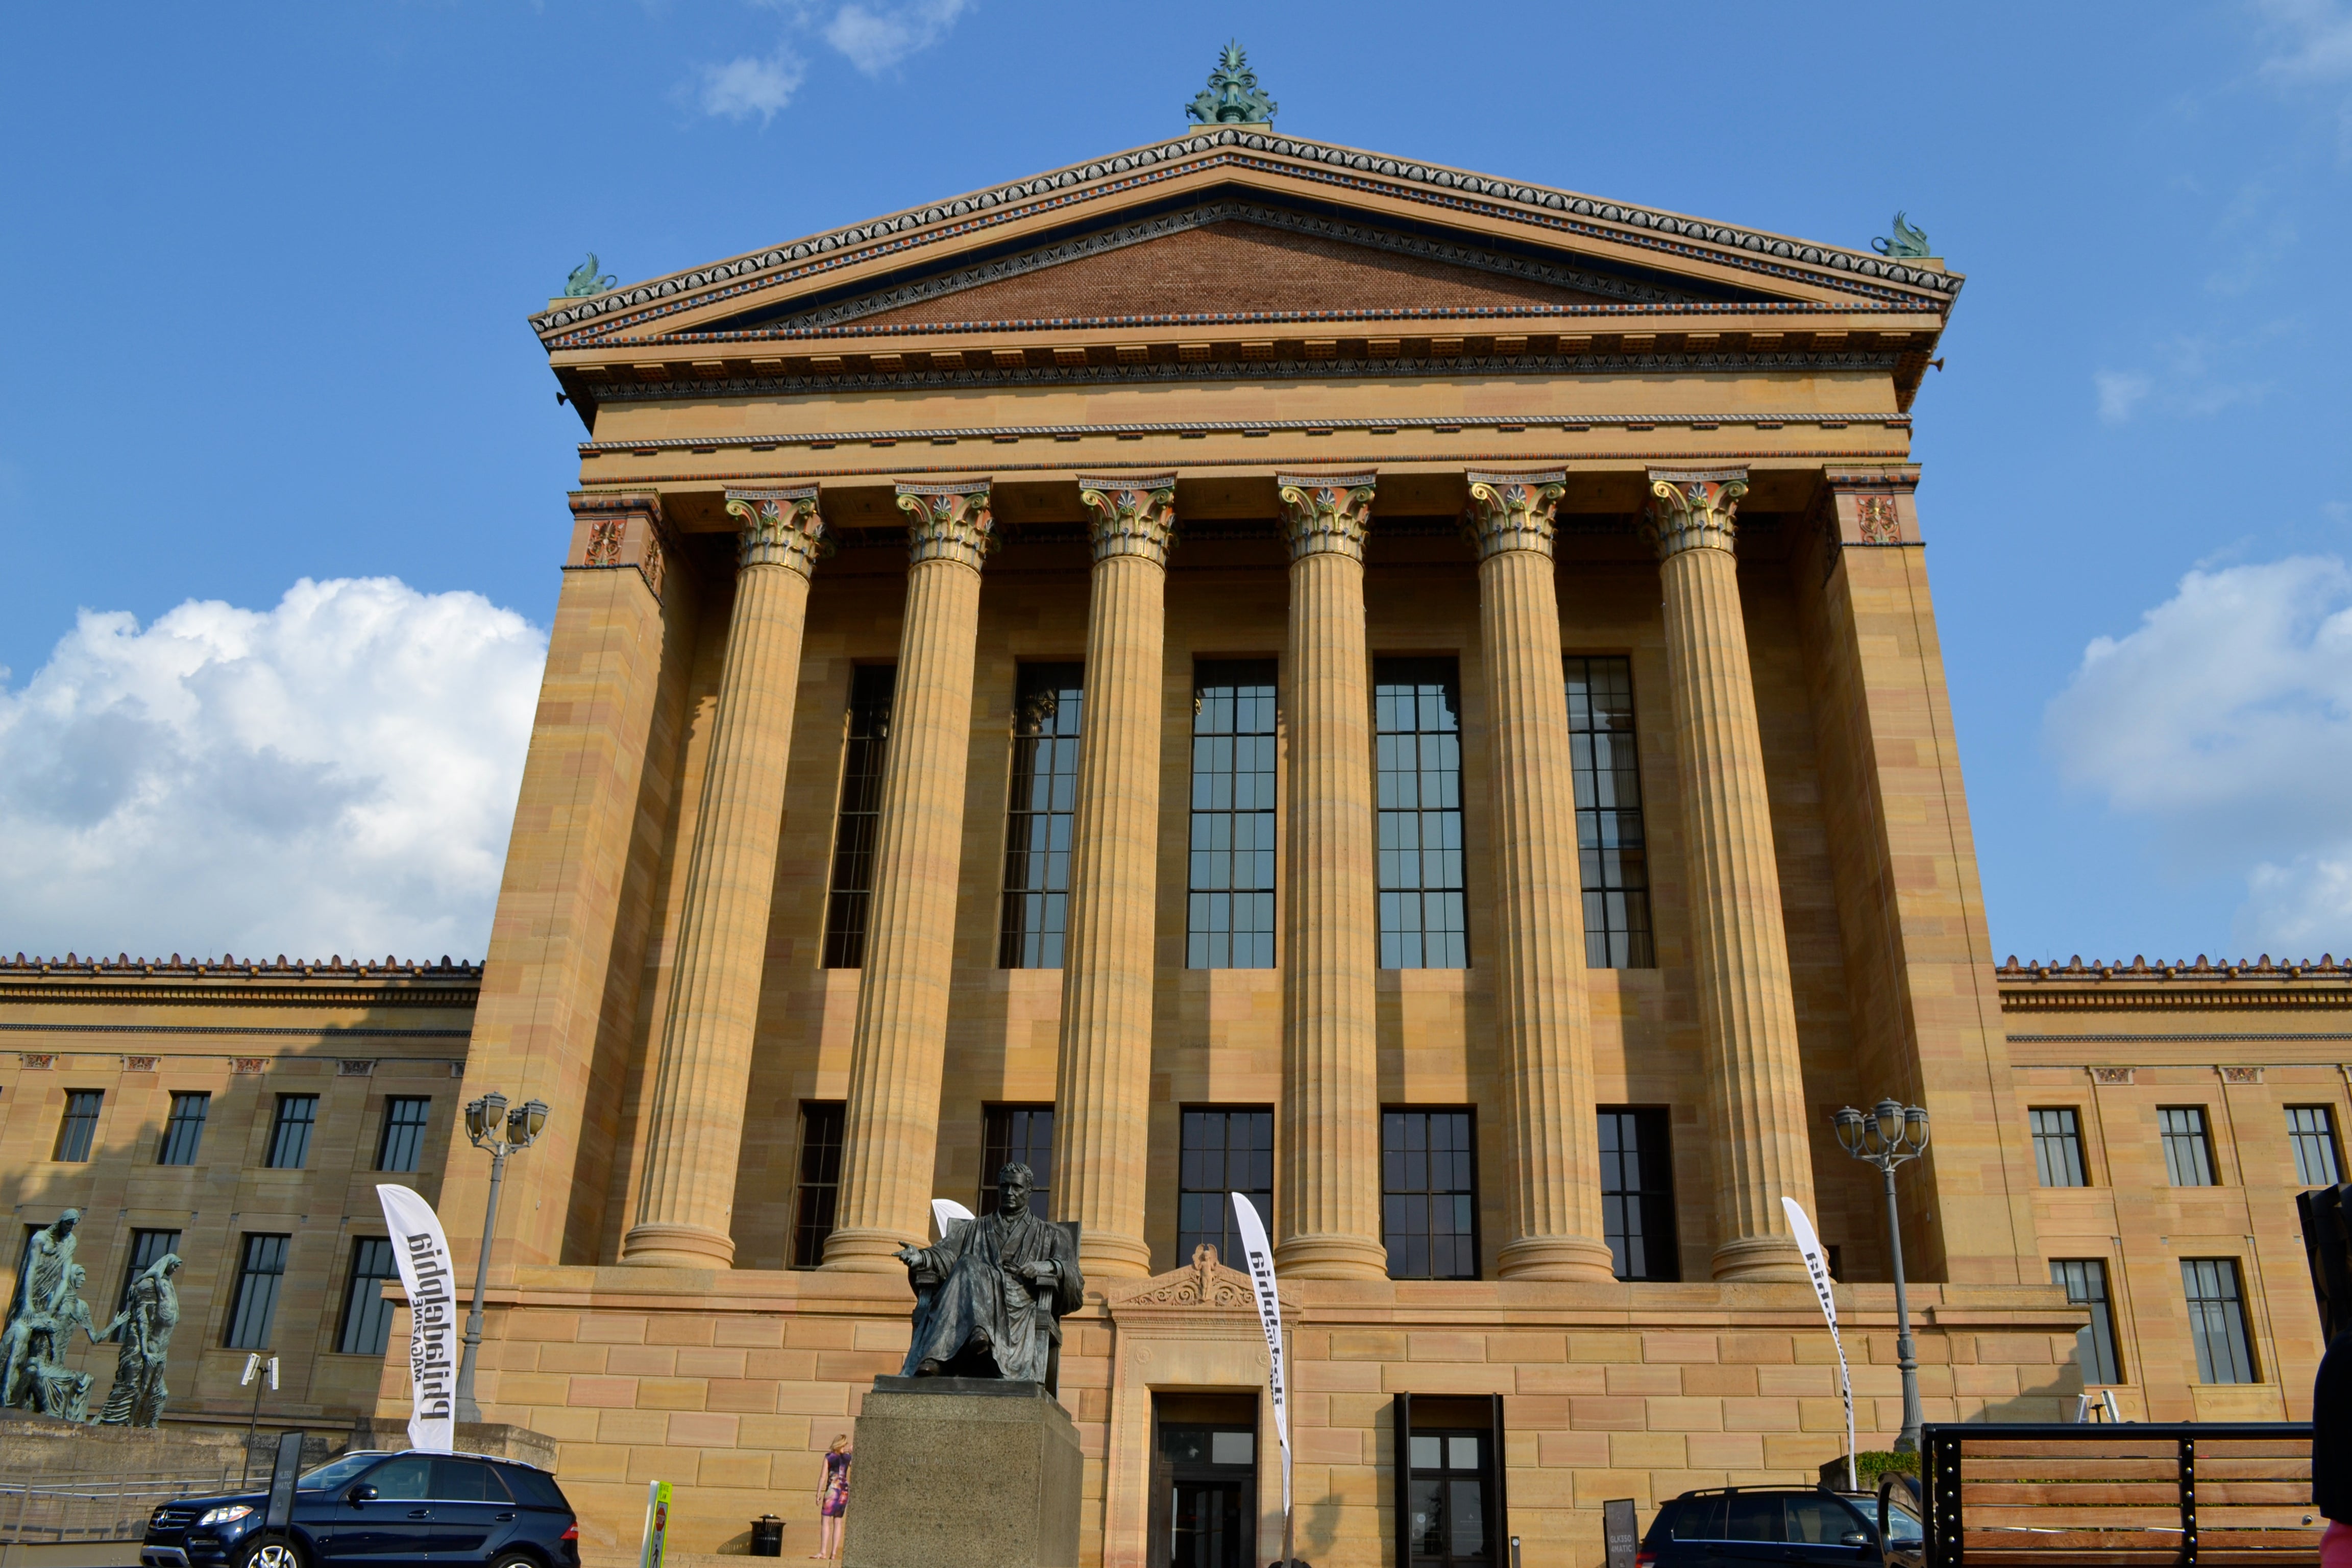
423, 1254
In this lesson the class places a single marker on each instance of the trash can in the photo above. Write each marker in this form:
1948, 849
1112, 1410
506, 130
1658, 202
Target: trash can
767, 1536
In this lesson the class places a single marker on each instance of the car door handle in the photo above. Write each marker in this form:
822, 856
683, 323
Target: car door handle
420, 1513
504, 1517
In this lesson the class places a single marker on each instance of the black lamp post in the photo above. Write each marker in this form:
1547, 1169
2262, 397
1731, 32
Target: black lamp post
491, 1126
1890, 1134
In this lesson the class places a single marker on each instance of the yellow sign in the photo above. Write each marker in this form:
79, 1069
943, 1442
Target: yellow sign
657, 1523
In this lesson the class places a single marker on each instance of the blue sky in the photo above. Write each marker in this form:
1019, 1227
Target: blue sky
270, 266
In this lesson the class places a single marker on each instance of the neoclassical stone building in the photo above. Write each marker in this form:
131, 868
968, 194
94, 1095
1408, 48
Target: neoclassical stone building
1248, 665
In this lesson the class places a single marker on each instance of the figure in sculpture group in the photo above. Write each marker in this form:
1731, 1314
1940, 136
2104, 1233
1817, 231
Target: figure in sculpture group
146, 1324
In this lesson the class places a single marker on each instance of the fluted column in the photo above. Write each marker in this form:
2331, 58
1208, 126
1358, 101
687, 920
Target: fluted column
1746, 1008
1550, 1158
1327, 1210
1103, 1094
892, 1122
687, 1199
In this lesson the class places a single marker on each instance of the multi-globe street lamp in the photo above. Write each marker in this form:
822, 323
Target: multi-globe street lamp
503, 1131
1886, 1136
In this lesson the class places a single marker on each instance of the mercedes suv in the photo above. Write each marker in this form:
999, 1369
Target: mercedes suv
379, 1511
1744, 1527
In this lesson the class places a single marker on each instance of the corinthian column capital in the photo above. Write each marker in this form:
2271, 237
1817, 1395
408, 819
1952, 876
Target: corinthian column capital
1131, 515
1325, 514
1512, 511
1694, 508
949, 522
779, 528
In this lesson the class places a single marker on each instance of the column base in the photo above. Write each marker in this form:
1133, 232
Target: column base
1329, 1257
1761, 1257
1116, 1257
661, 1246
866, 1250
1558, 1258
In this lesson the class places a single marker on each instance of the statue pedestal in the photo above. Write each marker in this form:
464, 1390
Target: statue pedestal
963, 1469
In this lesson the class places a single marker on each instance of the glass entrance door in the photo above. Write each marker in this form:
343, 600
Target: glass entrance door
1204, 1480
1212, 1525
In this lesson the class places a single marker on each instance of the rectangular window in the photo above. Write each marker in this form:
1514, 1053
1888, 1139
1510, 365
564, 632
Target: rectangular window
2058, 1147
260, 1269
1637, 1194
2187, 1153
401, 1145
80, 1125
859, 822
1224, 1151
1417, 731
2085, 1280
1609, 843
290, 1134
183, 1133
2217, 1320
1429, 1195
367, 1316
1048, 704
1021, 1135
146, 1247
813, 1206
1229, 909
2311, 1129
1450, 1506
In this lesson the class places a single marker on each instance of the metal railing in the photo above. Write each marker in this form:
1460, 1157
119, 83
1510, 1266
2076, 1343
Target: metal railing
33, 1513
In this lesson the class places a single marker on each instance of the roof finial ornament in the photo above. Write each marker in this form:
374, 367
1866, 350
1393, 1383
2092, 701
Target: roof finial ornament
583, 282
1907, 244
1232, 97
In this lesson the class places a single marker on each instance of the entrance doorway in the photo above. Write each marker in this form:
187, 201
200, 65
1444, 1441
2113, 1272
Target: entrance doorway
1204, 1480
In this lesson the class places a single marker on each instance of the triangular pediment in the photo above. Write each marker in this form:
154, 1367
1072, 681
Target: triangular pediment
1240, 224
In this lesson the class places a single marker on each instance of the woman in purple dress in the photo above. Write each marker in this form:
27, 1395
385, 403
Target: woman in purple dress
832, 1498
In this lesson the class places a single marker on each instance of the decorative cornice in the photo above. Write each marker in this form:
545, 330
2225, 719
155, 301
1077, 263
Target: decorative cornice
1131, 515
1206, 1283
950, 522
2102, 985
1513, 511
1636, 227
228, 966
617, 528
780, 528
1325, 514
1692, 509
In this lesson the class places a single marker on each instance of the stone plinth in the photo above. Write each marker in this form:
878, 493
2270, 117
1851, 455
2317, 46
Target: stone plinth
963, 1469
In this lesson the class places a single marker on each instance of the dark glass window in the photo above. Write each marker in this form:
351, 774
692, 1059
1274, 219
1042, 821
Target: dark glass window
2085, 1279
2311, 1129
146, 1247
813, 1207
401, 1147
1449, 1495
1017, 1132
2058, 1147
858, 826
367, 1316
1429, 1195
79, 1124
24, 1263
290, 1134
1417, 725
1224, 1151
183, 1133
1637, 1194
2187, 1152
1229, 912
464, 1481
2217, 1320
1611, 847
260, 1269
1047, 707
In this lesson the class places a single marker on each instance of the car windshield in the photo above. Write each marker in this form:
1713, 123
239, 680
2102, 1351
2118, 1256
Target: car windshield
1903, 1527
335, 1473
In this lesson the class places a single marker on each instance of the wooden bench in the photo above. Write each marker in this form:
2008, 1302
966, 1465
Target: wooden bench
2131, 1495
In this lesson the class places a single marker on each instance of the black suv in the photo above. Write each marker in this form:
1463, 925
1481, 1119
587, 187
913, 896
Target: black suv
1748, 1526
380, 1510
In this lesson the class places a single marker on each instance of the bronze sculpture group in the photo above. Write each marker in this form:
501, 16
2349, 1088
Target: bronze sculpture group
33, 1371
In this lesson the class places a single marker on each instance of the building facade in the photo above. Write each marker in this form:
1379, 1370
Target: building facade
1248, 665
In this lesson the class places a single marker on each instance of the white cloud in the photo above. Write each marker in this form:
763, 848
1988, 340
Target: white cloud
2120, 392
875, 38
2226, 720
2188, 380
2312, 39
335, 775
750, 85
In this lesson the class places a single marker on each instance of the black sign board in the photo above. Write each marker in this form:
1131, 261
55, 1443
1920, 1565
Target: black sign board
1621, 1528
282, 1474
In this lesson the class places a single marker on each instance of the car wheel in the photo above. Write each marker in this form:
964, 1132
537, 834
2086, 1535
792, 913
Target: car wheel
517, 1560
271, 1551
